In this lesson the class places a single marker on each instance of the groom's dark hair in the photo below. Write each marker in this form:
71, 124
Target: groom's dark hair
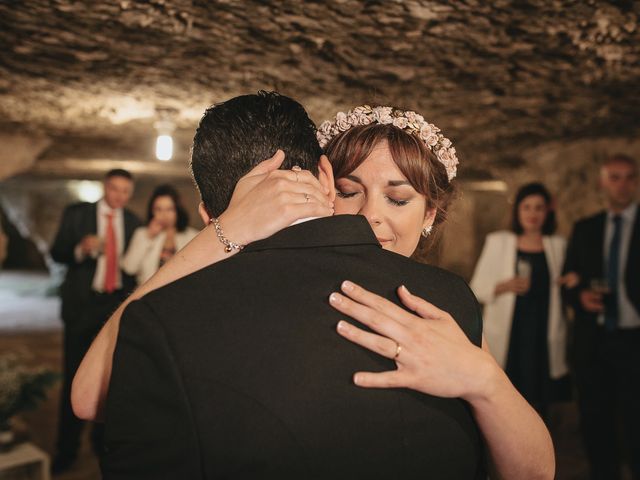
236, 135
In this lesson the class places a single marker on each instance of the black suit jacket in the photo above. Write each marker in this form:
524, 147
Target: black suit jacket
236, 371
79, 220
585, 256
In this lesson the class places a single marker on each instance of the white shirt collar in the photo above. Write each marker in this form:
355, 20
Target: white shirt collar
302, 220
628, 214
104, 209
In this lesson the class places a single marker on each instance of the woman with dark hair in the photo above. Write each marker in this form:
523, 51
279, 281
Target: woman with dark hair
166, 232
518, 278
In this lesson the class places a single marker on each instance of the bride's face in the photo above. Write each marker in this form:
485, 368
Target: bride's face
378, 190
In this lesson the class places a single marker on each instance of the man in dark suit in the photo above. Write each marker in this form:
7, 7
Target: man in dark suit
236, 371
604, 251
90, 241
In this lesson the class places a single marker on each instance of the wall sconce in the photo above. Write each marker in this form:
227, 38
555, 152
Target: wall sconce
164, 140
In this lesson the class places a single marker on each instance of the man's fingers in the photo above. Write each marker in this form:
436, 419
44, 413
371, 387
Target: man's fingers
389, 379
367, 316
376, 343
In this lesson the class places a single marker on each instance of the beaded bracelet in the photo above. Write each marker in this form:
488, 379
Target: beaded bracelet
228, 245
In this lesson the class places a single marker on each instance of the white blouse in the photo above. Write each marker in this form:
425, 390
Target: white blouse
142, 258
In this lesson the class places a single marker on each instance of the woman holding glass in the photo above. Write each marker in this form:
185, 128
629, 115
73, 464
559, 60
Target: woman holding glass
518, 280
167, 231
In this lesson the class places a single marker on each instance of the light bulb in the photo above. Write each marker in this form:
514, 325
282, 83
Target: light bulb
164, 147
89, 191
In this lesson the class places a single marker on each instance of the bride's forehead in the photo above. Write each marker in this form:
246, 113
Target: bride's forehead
380, 164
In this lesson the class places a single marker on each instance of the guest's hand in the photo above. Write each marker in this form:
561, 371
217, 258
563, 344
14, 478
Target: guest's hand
569, 280
517, 285
432, 353
592, 301
154, 228
90, 244
267, 200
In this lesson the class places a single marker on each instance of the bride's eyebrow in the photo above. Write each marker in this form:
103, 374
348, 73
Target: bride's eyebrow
397, 183
353, 178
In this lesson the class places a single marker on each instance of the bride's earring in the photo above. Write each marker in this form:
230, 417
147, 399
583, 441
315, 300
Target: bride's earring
426, 231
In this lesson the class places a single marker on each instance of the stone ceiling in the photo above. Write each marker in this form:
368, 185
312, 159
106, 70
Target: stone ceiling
85, 81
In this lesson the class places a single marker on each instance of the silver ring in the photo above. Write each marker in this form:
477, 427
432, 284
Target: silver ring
398, 350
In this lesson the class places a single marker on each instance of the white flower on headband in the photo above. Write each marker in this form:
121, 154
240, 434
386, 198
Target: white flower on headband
409, 121
401, 122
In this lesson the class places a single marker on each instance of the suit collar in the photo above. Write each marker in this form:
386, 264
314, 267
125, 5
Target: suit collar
634, 253
338, 230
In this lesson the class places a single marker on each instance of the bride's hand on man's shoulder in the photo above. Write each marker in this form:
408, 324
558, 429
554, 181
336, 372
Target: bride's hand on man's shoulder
267, 200
432, 353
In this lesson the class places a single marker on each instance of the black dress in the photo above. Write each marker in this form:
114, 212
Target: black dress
528, 357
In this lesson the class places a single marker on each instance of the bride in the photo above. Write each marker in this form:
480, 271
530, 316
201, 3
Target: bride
394, 168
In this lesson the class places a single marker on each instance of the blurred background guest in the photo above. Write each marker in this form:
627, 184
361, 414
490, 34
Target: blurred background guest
517, 278
4, 242
166, 232
604, 251
91, 239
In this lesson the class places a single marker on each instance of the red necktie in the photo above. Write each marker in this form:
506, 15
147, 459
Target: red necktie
111, 256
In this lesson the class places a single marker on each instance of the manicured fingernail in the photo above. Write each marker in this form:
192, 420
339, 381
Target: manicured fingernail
342, 325
335, 298
347, 286
356, 379
406, 290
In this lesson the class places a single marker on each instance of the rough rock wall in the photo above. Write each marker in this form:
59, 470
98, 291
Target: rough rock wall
496, 76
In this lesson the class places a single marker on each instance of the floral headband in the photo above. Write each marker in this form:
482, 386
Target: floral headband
411, 122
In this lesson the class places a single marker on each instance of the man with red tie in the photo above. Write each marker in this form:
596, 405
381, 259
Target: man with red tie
90, 242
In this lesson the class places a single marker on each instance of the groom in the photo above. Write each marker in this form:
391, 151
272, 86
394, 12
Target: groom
236, 371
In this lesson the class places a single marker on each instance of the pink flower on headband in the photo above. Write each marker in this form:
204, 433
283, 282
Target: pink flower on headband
408, 121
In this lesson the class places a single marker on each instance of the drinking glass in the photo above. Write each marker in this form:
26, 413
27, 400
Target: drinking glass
523, 269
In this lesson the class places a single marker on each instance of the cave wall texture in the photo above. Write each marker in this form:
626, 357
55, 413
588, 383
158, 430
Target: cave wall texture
527, 90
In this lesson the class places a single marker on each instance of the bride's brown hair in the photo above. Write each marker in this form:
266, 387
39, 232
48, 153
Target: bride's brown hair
416, 161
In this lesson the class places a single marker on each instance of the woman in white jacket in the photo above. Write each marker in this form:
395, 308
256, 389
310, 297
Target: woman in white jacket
167, 231
518, 278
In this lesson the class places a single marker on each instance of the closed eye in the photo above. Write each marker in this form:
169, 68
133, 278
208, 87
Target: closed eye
346, 194
397, 203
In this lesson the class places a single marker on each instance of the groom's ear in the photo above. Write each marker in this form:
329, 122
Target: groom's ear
325, 176
204, 215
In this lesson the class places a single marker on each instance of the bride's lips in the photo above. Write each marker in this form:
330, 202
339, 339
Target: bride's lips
382, 241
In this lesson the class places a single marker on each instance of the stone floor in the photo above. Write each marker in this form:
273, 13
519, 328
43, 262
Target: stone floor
43, 342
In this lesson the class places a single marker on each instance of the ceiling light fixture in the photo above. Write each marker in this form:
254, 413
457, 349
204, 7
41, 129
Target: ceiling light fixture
164, 141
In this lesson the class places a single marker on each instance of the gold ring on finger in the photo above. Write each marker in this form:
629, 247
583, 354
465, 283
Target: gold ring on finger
398, 350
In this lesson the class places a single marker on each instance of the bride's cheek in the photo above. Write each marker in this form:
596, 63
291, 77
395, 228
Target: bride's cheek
341, 207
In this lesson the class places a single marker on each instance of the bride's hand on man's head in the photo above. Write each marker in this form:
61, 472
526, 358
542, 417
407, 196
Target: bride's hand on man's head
267, 200
432, 353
